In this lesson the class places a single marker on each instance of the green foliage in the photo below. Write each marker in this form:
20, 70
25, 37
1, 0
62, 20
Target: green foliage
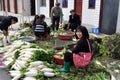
16, 54
24, 70
43, 55
22, 34
46, 45
28, 32
112, 44
102, 50
40, 75
26, 24
97, 76
11, 64
33, 45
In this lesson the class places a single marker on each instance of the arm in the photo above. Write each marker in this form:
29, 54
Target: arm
78, 47
69, 22
52, 11
61, 15
78, 20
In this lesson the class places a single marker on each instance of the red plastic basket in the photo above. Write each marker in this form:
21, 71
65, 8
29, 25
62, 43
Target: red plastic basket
60, 61
65, 36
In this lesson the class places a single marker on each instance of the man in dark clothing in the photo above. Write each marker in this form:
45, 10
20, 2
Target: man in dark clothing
5, 22
74, 21
56, 16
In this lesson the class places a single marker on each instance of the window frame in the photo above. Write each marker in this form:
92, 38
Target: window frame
42, 3
63, 6
89, 7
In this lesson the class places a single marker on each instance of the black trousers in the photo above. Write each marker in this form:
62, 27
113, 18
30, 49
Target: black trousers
55, 23
68, 57
48, 30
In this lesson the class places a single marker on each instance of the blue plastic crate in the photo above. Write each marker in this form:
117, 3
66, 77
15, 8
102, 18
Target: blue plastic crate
94, 29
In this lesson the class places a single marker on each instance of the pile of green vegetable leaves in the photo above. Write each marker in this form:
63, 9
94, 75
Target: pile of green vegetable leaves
43, 55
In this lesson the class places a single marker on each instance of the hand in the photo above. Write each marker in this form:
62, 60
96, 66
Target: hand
68, 28
5, 33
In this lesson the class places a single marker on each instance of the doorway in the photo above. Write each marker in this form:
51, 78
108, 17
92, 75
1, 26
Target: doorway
51, 5
32, 4
78, 8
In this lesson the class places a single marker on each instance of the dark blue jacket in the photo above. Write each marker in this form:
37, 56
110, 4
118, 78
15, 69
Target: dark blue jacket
5, 22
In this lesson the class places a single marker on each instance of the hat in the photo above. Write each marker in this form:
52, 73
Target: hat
57, 4
72, 10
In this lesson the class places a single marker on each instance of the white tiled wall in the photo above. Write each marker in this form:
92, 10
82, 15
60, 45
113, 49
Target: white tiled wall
90, 16
12, 6
66, 11
19, 6
27, 7
45, 10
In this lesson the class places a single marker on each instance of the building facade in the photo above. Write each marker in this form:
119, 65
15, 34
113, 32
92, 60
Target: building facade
26, 7
88, 15
99, 13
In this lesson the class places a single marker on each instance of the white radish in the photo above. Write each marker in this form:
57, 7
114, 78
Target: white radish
31, 73
49, 74
47, 70
15, 67
18, 65
41, 66
31, 69
14, 74
36, 63
29, 78
16, 77
21, 63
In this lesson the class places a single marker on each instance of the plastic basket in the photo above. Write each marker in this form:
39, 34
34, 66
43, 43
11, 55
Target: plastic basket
65, 36
57, 59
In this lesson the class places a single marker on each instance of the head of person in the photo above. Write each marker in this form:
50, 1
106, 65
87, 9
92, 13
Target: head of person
42, 17
14, 20
72, 12
36, 17
57, 5
82, 32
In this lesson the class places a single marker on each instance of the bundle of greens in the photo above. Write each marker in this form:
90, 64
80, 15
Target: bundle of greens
43, 55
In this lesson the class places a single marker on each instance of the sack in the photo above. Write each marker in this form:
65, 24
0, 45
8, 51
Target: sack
82, 59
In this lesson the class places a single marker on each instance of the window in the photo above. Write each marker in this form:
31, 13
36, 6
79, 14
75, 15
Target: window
43, 3
64, 3
92, 4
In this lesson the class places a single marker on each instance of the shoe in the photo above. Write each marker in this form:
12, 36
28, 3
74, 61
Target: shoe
66, 67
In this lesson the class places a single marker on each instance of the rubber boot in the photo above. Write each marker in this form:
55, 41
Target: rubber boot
66, 67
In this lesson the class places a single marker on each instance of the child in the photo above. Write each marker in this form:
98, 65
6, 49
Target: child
41, 28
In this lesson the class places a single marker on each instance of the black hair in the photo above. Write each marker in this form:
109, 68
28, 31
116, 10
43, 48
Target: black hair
84, 31
57, 4
35, 18
72, 10
42, 16
15, 19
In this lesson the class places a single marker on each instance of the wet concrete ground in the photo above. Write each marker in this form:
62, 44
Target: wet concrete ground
4, 75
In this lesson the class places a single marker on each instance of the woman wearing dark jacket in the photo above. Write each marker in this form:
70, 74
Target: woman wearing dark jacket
5, 22
81, 46
74, 20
